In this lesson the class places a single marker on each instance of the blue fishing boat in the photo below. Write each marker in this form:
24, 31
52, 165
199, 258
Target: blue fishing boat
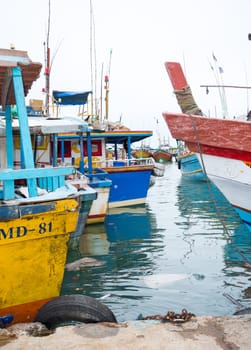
111, 151
55, 150
189, 166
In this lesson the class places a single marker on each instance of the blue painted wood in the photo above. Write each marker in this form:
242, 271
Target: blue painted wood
9, 137
54, 150
49, 183
55, 183
89, 151
81, 146
25, 139
9, 174
8, 186
17, 211
61, 181
129, 185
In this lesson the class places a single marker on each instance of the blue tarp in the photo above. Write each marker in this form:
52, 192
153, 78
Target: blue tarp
70, 97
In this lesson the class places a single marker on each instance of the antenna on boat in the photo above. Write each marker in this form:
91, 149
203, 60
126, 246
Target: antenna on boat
93, 65
107, 89
218, 74
101, 92
47, 62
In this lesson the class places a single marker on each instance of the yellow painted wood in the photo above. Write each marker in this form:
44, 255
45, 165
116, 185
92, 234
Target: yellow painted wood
33, 257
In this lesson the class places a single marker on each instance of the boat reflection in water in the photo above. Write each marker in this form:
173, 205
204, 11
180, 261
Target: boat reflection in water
203, 202
237, 256
127, 223
123, 245
121, 224
175, 252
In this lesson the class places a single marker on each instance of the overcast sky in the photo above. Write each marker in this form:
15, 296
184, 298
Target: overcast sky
142, 34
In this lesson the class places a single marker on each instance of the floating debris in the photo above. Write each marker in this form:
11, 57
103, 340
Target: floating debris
83, 263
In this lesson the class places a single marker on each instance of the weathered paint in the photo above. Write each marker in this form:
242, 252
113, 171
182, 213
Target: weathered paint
225, 147
99, 206
33, 256
214, 136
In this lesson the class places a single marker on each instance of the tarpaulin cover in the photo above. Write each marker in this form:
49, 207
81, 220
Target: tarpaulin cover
70, 97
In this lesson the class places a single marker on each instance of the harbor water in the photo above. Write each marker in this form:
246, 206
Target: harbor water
186, 248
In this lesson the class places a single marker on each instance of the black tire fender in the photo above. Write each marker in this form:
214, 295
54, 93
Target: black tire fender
68, 309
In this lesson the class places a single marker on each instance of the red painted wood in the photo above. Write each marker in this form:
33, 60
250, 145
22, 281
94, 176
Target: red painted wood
176, 75
229, 138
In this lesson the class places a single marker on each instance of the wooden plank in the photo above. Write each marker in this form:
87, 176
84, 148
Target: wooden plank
176, 75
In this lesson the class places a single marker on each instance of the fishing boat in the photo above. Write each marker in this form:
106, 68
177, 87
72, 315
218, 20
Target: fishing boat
159, 162
141, 152
187, 161
111, 149
39, 210
190, 166
162, 156
56, 150
44, 135
223, 147
34, 227
159, 169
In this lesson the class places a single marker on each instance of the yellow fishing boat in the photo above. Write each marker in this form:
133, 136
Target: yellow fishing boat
39, 210
33, 246
36, 217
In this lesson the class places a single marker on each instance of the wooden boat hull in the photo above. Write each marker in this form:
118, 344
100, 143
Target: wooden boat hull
221, 137
159, 169
225, 147
120, 169
129, 184
33, 246
190, 166
99, 207
141, 153
162, 156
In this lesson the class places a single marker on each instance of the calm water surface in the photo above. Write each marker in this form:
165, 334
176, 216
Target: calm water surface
183, 249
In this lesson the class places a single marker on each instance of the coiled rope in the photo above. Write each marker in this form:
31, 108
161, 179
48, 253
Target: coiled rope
186, 101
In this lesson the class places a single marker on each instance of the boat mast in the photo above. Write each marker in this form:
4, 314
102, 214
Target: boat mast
47, 63
107, 90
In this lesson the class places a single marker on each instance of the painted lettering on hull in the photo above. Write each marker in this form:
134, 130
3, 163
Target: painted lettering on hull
15, 232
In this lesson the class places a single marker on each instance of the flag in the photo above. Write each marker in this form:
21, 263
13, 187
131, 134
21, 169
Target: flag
214, 57
221, 70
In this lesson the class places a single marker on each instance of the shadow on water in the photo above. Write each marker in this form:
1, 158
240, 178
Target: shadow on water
184, 249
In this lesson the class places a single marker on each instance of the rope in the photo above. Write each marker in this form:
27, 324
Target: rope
186, 101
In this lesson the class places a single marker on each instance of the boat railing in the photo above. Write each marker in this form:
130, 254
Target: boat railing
126, 162
48, 178
96, 174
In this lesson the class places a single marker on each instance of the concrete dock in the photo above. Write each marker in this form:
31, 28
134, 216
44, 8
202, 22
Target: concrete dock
204, 332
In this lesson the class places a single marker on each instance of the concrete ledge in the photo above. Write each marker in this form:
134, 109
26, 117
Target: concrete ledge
204, 332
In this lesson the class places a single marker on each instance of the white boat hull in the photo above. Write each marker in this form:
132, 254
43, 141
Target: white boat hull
233, 178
